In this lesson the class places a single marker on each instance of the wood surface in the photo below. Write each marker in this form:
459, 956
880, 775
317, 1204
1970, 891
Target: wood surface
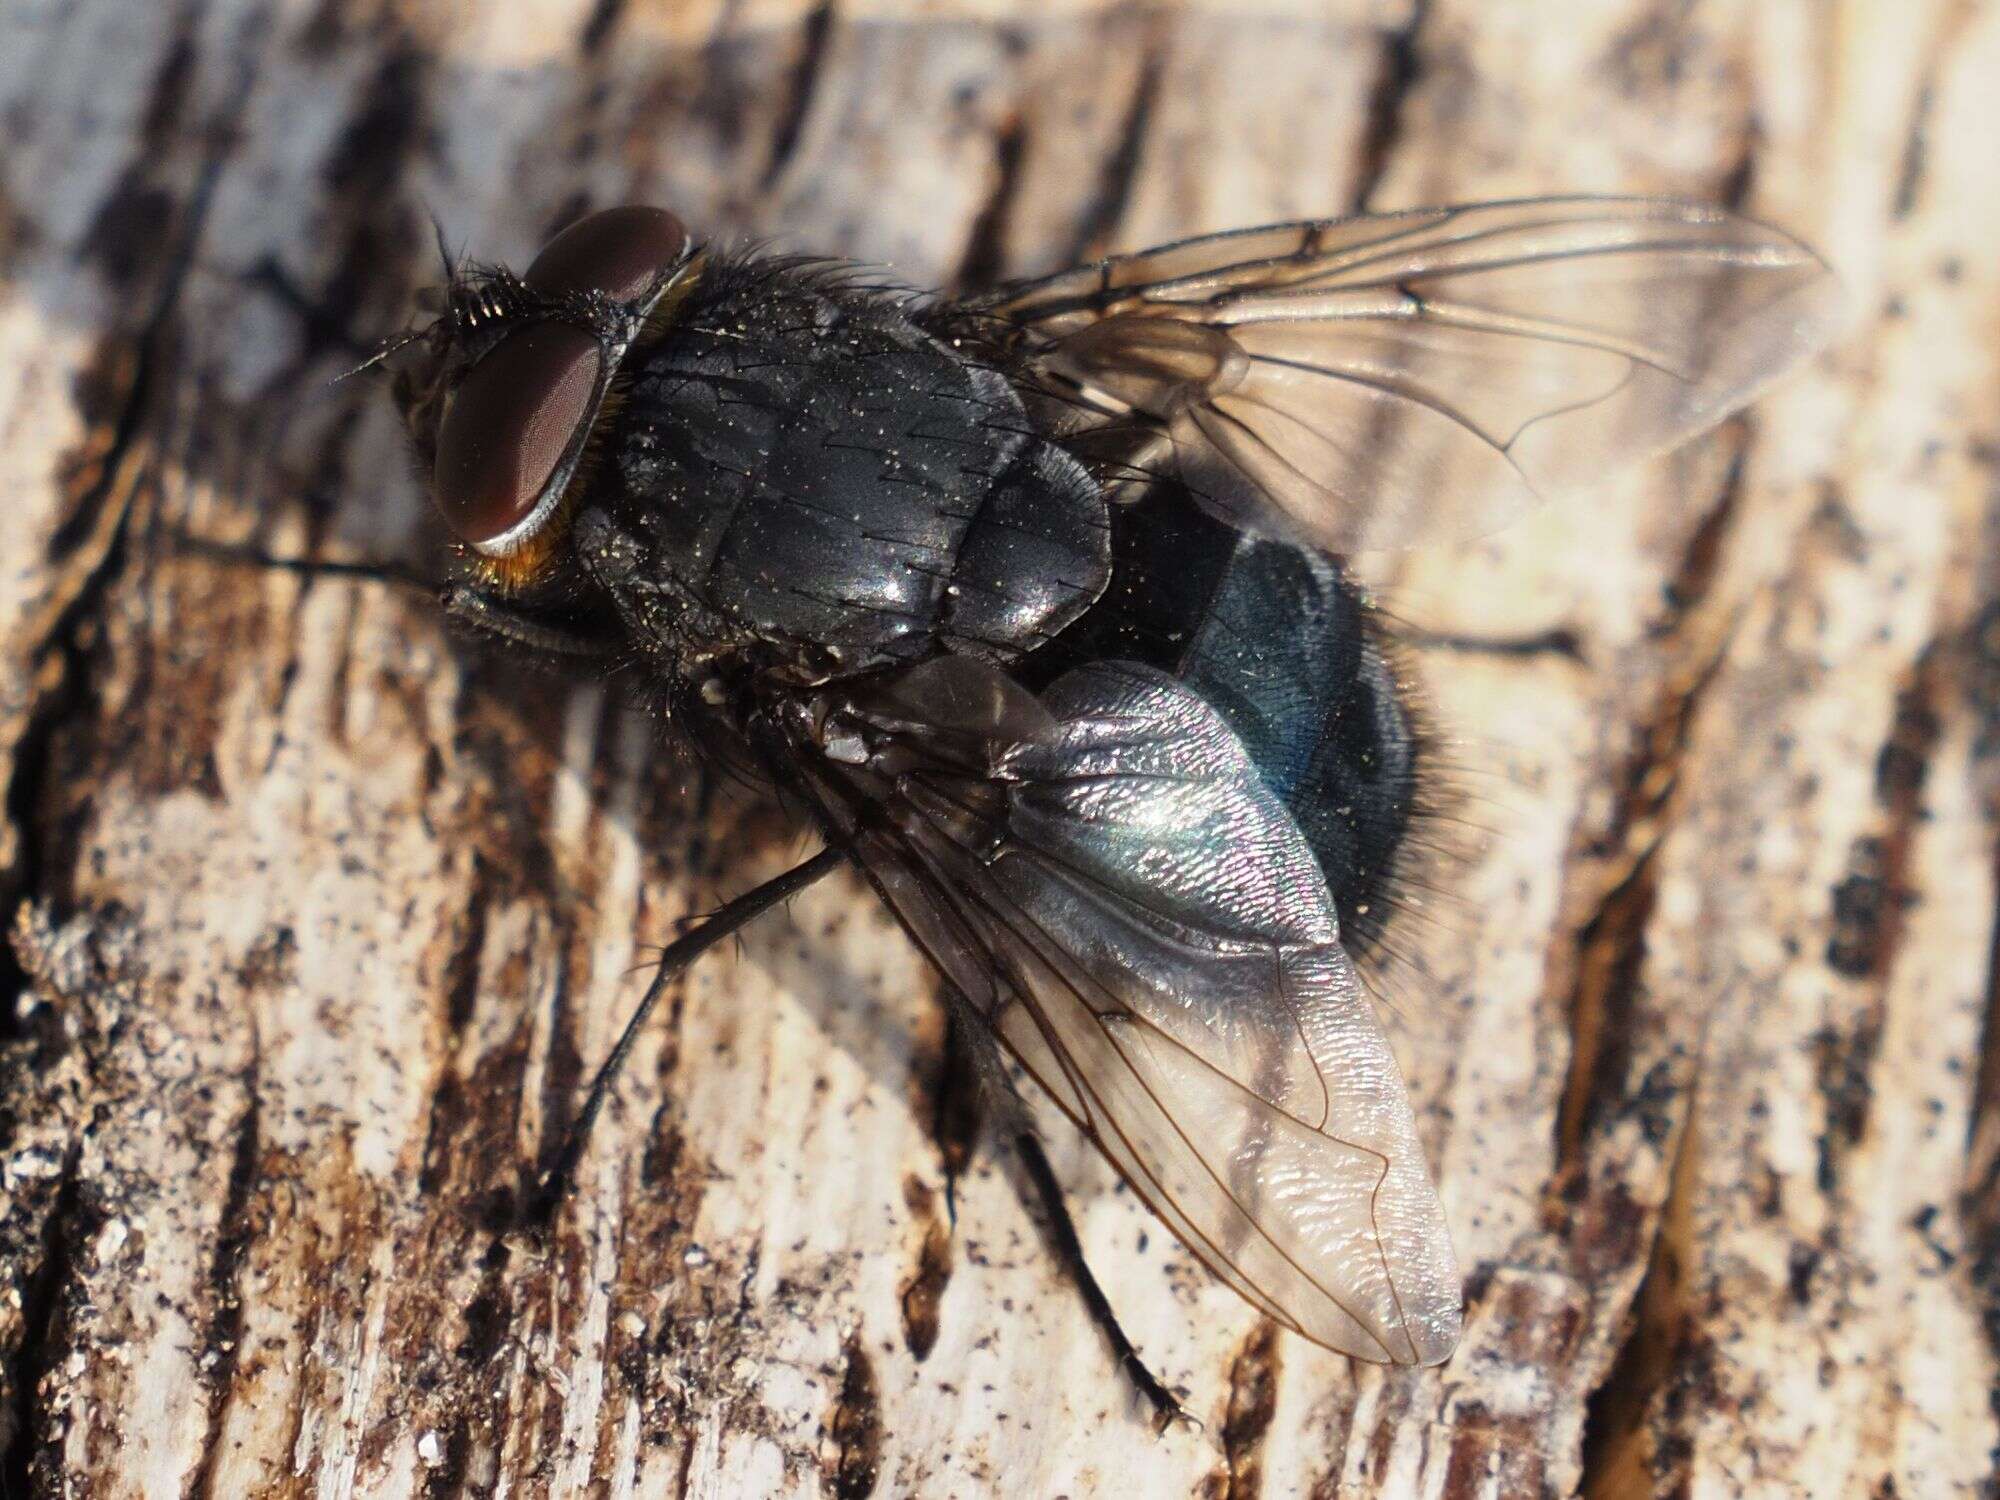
319, 918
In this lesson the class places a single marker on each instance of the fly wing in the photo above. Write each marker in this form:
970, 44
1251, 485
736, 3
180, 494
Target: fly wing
1391, 379
1108, 881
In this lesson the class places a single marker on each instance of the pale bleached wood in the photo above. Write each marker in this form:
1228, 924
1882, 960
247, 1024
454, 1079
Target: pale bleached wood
321, 917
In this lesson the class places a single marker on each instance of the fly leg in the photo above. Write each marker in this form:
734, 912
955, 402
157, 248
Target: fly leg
485, 615
968, 1030
479, 612
247, 554
680, 953
1167, 1408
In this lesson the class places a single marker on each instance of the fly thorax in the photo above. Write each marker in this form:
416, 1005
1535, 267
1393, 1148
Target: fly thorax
806, 474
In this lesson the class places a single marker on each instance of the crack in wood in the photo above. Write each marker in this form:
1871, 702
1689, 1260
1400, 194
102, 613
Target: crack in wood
1557, 640
1910, 172
25, 1450
1252, 1403
1868, 907
855, 1426
1098, 223
224, 1337
1980, 1200
923, 1291
1610, 943
1630, 1446
1912, 162
1735, 186
957, 1112
598, 25
380, 246
1983, 1194
562, 1067
985, 258
1610, 954
63, 701
815, 33
82, 976
1398, 72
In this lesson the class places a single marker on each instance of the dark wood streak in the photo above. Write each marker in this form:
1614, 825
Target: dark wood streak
815, 35
1098, 226
238, 1230
923, 1290
855, 1426
1399, 72
1610, 940
1253, 1401
985, 258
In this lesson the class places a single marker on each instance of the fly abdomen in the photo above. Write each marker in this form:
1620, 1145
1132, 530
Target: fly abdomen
1278, 641
1322, 713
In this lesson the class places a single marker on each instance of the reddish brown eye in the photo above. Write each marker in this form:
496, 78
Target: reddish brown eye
617, 251
507, 426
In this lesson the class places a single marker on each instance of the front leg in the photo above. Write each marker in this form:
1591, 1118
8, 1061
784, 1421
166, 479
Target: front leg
494, 618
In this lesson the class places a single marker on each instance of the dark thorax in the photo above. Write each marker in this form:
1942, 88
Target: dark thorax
800, 483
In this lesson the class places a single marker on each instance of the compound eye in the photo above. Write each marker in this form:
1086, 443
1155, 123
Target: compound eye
506, 429
617, 251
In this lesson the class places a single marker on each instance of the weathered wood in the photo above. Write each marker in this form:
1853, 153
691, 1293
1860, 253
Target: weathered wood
321, 918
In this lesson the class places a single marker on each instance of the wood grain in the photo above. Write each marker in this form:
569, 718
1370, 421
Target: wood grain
319, 918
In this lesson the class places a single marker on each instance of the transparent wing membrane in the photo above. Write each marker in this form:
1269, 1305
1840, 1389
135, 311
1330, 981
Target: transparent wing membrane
1390, 380
1142, 924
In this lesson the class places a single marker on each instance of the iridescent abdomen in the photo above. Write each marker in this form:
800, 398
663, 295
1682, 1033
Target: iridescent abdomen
1278, 641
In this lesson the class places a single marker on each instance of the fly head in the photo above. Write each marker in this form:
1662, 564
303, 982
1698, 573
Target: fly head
507, 390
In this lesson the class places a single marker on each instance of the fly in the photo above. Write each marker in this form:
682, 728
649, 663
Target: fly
1031, 600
